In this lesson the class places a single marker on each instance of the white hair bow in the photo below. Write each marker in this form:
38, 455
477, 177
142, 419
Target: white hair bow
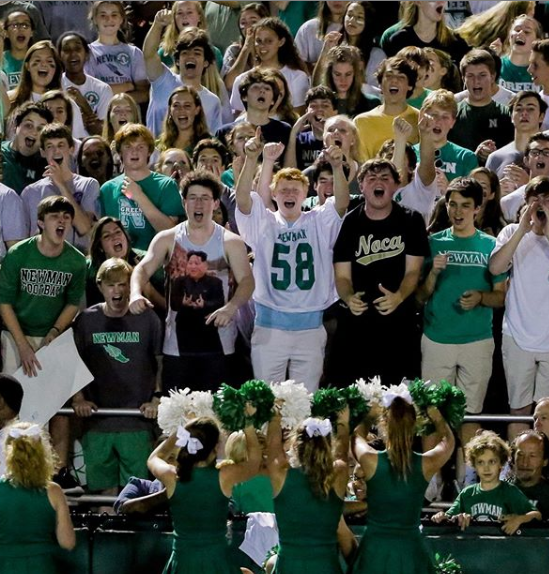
184, 439
32, 431
390, 396
317, 427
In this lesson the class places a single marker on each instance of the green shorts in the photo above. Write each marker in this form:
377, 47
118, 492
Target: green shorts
112, 457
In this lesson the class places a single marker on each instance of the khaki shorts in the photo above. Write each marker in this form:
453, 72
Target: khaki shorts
467, 366
10, 352
527, 374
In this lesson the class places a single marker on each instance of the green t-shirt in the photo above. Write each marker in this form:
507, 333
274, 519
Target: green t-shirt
474, 124
161, 190
445, 321
418, 102
39, 287
454, 160
21, 170
12, 68
490, 505
513, 77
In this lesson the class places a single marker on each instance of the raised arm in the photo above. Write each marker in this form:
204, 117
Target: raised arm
426, 169
271, 152
434, 459
236, 473
153, 63
240, 64
334, 155
290, 157
252, 150
160, 467
501, 260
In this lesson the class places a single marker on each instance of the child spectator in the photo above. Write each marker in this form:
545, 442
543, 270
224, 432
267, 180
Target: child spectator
491, 500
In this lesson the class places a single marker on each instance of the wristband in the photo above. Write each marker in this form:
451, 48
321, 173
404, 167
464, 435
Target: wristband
157, 395
57, 329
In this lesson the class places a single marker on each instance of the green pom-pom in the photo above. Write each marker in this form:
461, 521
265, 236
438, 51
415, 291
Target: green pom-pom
228, 405
260, 394
447, 565
448, 399
358, 407
327, 403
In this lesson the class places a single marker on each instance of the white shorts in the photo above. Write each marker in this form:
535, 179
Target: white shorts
527, 374
467, 366
299, 355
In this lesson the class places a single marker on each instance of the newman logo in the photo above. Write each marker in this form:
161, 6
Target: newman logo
467, 258
371, 250
493, 123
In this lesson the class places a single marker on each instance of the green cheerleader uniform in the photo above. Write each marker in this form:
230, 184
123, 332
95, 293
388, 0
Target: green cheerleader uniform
392, 542
307, 526
199, 515
27, 531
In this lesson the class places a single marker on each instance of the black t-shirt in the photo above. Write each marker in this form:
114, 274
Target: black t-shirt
539, 495
366, 102
273, 132
308, 149
377, 249
407, 37
121, 354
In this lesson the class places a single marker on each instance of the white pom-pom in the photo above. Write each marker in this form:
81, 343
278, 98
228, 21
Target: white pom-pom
201, 404
371, 391
296, 402
172, 410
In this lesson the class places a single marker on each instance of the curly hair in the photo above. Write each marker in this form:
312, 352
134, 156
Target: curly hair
316, 457
30, 460
204, 429
487, 440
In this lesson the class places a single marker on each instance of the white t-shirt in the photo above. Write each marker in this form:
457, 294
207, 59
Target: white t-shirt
527, 301
511, 203
298, 84
416, 195
97, 93
293, 267
502, 96
309, 45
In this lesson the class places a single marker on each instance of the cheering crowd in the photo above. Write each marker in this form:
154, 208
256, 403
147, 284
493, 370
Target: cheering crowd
322, 192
